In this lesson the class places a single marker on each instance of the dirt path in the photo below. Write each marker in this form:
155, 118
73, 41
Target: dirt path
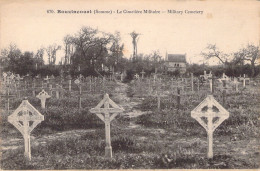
126, 102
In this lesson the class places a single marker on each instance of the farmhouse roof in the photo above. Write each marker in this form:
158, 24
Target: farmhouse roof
176, 58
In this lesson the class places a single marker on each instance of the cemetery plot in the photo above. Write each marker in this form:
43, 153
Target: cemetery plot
164, 138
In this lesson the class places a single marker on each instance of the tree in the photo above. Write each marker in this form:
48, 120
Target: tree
91, 48
9, 57
251, 54
156, 59
51, 52
39, 58
68, 49
25, 64
214, 52
116, 55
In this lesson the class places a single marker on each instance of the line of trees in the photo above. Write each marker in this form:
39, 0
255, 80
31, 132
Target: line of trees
94, 52
89, 52
242, 59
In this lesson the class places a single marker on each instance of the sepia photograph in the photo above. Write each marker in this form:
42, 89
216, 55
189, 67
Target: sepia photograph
116, 85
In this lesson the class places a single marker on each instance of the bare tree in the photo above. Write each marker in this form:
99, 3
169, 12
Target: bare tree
68, 49
214, 52
134, 36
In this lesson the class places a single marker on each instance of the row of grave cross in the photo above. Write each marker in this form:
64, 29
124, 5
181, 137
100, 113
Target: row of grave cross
158, 81
7, 95
9, 80
59, 89
25, 118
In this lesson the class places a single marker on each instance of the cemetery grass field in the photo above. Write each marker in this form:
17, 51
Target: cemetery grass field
168, 138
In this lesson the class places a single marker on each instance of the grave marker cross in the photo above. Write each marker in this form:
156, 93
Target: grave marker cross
236, 82
136, 76
43, 96
4, 75
142, 74
69, 78
78, 82
59, 90
7, 96
192, 82
25, 118
211, 83
107, 118
224, 78
210, 109
47, 79
12, 76
244, 80
224, 90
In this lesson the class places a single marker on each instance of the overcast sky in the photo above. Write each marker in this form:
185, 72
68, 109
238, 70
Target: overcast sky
230, 25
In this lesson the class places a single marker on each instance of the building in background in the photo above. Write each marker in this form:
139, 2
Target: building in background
174, 62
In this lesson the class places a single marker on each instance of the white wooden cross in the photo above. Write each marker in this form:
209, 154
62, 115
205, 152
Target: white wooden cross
121, 76
154, 78
150, 89
33, 86
211, 79
137, 76
18, 77
25, 118
236, 82
12, 76
69, 78
78, 82
90, 83
43, 96
192, 82
51, 80
225, 77
106, 102
80, 76
210, 109
4, 75
104, 84
205, 76
158, 94
244, 80
58, 89
142, 74
7, 96
47, 79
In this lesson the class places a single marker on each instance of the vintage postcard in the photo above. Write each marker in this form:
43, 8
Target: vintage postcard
114, 85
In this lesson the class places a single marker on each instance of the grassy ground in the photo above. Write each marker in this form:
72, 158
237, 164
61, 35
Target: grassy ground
169, 138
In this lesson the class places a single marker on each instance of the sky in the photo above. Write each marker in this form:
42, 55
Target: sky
230, 25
